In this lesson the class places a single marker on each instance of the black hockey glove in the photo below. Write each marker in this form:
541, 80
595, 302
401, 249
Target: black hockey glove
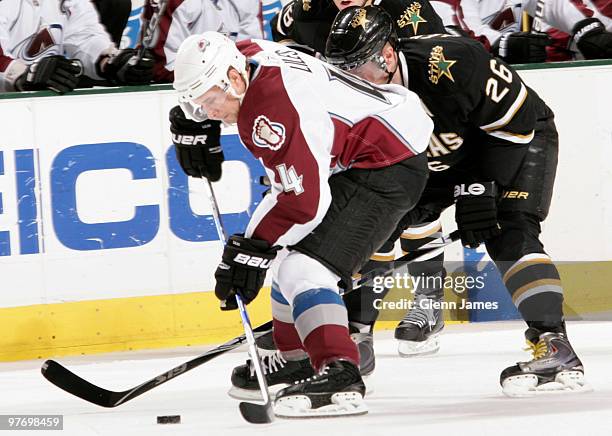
522, 47
126, 68
52, 72
592, 39
476, 213
197, 145
242, 270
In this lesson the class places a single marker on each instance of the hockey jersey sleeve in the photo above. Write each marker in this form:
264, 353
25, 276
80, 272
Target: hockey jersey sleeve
10, 68
467, 16
292, 148
251, 19
182, 18
85, 38
412, 18
506, 115
282, 23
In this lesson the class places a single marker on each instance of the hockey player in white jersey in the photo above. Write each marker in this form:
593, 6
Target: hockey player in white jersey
345, 162
576, 29
239, 19
48, 44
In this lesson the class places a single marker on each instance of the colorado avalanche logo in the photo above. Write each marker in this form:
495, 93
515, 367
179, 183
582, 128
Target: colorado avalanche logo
46, 41
267, 134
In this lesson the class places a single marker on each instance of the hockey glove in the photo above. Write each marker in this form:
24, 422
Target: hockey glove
592, 39
476, 213
126, 68
242, 270
52, 72
197, 145
522, 47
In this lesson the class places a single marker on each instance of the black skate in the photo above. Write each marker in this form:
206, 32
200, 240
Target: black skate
279, 373
337, 390
365, 343
418, 332
555, 367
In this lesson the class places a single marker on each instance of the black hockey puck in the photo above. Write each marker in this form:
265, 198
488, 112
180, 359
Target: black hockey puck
169, 419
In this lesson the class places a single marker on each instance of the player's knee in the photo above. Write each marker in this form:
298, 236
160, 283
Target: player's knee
298, 273
520, 236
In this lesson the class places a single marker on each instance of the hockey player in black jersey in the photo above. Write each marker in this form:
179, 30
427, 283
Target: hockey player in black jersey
494, 154
307, 22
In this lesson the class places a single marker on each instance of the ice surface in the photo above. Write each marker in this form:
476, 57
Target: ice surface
455, 391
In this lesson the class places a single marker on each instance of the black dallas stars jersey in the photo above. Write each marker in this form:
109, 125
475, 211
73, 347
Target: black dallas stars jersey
308, 22
484, 115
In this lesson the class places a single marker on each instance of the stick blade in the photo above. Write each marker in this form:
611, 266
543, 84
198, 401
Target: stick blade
257, 413
68, 381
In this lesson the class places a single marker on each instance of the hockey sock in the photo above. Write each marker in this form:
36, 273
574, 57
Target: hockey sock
321, 321
430, 270
535, 286
285, 335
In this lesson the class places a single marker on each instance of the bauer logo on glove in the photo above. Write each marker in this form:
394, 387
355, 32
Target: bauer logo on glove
255, 261
189, 139
197, 145
242, 270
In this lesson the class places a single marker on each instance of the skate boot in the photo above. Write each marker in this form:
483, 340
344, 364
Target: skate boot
279, 373
337, 390
418, 332
363, 337
555, 367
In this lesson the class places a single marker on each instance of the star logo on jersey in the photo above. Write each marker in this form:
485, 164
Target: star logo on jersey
360, 19
439, 66
268, 134
412, 17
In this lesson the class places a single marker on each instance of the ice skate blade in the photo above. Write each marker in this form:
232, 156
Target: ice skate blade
299, 406
254, 394
526, 385
418, 349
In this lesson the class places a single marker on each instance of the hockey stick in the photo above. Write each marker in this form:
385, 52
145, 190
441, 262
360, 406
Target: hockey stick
150, 31
68, 381
251, 412
537, 25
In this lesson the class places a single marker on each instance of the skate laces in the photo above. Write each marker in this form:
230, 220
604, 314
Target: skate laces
321, 373
538, 350
419, 315
270, 363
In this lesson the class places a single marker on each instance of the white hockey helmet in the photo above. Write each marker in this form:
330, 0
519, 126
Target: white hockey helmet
202, 62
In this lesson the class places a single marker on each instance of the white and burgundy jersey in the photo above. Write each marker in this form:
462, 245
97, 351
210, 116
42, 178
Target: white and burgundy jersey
239, 19
32, 29
306, 120
486, 20
603, 10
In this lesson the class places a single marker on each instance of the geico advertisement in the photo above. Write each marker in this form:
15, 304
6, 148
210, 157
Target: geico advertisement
93, 203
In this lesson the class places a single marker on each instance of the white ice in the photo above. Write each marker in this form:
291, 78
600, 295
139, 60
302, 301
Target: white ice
455, 391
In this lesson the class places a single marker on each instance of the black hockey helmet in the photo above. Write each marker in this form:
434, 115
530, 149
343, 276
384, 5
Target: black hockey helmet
358, 35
